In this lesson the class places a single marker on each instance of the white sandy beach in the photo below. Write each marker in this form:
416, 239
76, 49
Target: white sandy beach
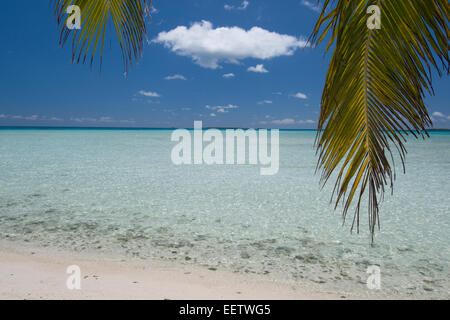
41, 275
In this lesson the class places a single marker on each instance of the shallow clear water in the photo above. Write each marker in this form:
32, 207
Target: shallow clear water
117, 191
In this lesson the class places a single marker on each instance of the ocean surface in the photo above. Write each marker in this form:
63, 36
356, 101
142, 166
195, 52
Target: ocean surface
117, 192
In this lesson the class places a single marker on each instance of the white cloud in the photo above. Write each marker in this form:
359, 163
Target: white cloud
222, 109
258, 68
175, 77
212, 114
209, 46
300, 95
289, 121
228, 75
284, 121
153, 10
33, 117
103, 119
438, 114
149, 94
83, 119
317, 7
265, 102
243, 6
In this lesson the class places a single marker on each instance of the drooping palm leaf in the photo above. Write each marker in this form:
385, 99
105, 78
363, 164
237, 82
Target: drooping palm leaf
374, 90
126, 17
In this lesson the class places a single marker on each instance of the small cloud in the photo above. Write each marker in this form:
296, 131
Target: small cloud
284, 121
222, 109
212, 114
32, 118
300, 95
258, 69
175, 77
228, 75
83, 119
243, 6
153, 10
278, 93
439, 115
149, 94
314, 7
265, 102
103, 119
186, 109
306, 121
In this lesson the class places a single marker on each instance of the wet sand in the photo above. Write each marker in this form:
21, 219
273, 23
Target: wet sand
37, 274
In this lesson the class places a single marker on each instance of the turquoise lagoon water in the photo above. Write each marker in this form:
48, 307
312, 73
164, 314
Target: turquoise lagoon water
117, 192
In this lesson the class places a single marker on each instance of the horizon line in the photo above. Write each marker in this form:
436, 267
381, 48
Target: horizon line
163, 128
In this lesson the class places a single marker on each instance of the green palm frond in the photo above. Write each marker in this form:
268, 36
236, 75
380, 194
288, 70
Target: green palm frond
374, 90
126, 17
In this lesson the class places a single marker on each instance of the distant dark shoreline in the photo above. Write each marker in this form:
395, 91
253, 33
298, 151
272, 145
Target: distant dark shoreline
146, 128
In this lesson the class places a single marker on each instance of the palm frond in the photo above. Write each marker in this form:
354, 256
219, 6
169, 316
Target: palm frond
127, 17
374, 91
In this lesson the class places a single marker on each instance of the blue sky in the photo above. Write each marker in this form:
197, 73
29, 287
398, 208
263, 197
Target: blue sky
253, 70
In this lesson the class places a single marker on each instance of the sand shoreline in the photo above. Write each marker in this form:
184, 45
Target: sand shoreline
33, 273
